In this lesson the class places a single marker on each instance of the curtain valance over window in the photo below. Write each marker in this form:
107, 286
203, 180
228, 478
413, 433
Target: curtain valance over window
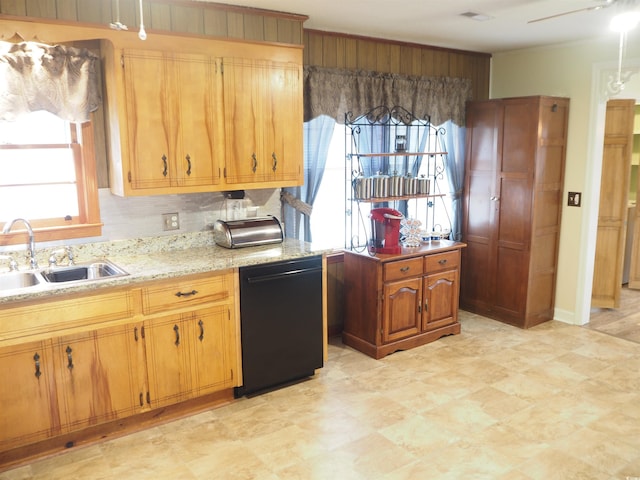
334, 92
59, 79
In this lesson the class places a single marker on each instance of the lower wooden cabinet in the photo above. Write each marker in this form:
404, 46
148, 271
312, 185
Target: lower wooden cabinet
97, 375
396, 302
186, 346
190, 355
28, 395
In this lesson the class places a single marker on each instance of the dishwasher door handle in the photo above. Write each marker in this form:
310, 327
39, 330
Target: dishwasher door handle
283, 275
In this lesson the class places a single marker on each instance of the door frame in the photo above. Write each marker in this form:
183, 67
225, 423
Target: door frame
602, 72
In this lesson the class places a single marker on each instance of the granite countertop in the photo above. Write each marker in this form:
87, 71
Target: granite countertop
158, 258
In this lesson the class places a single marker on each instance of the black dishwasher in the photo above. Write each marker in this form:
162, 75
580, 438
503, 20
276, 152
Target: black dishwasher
281, 323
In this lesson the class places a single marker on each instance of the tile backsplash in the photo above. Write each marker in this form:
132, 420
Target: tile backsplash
139, 217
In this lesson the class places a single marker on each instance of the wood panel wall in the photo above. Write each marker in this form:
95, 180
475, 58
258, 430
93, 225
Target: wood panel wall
169, 15
321, 48
361, 53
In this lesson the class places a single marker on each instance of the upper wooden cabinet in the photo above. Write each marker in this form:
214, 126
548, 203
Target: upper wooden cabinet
263, 121
174, 123
181, 120
515, 156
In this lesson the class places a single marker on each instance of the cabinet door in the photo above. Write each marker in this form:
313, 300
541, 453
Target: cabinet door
98, 375
167, 360
245, 162
198, 98
148, 119
481, 204
402, 303
440, 300
212, 340
283, 123
513, 231
27, 395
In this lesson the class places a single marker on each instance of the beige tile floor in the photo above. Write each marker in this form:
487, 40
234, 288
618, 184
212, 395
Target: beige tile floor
495, 402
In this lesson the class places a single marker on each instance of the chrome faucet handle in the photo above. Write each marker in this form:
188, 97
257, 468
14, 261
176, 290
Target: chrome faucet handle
13, 265
65, 252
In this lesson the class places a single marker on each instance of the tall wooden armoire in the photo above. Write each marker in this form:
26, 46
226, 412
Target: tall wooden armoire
515, 156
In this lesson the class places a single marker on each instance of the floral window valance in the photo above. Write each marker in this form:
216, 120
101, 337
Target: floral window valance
334, 92
59, 79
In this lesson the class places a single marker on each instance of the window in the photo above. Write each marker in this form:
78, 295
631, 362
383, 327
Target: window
329, 209
47, 176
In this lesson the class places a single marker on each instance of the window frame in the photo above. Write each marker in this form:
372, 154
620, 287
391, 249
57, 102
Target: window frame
87, 223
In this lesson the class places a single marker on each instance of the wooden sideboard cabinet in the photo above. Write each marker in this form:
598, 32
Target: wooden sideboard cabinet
398, 302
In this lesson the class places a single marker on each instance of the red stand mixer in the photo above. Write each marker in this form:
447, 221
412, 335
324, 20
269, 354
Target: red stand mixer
385, 230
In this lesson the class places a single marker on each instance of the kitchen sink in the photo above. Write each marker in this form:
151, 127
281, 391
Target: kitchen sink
13, 280
86, 271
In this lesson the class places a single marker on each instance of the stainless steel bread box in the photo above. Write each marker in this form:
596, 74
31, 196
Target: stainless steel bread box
248, 232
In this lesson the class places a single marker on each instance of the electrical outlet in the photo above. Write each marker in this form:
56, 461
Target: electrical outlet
170, 221
574, 199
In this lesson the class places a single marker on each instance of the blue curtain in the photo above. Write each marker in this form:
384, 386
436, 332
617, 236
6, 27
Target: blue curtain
317, 138
454, 144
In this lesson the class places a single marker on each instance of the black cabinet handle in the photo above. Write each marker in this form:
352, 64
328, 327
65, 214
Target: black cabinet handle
36, 358
177, 330
69, 358
135, 333
275, 161
186, 294
255, 163
141, 402
189, 163
201, 325
164, 160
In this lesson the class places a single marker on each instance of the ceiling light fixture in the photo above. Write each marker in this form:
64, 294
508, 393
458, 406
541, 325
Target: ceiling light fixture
117, 25
142, 34
622, 23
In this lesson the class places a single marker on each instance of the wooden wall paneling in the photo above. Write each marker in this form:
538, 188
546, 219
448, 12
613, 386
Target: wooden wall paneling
94, 11
289, 31
428, 64
187, 19
235, 27
367, 55
270, 27
215, 22
13, 7
254, 28
159, 17
312, 52
330, 52
129, 13
409, 61
67, 10
41, 8
350, 53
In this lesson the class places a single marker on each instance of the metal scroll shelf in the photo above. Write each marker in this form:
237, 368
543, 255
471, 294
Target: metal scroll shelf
394, 147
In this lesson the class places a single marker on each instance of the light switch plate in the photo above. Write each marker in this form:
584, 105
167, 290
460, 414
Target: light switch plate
574, 199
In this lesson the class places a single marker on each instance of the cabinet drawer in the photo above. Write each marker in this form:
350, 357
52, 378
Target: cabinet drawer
402, 269
441, 261
186, 292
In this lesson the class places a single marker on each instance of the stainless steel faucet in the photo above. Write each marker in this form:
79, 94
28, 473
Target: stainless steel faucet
32, 242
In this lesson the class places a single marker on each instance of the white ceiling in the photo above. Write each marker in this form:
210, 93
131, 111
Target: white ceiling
439, 22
